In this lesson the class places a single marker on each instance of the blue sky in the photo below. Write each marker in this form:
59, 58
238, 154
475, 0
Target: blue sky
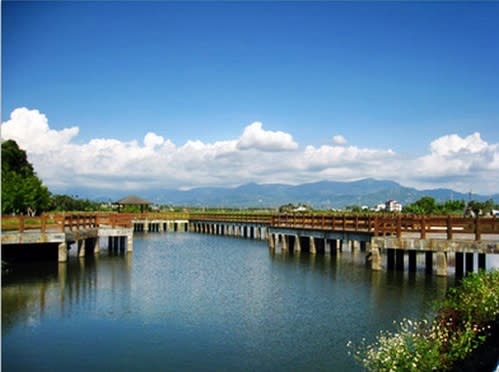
386, 76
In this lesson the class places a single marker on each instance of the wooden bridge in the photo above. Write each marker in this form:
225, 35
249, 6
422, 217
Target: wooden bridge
393, 234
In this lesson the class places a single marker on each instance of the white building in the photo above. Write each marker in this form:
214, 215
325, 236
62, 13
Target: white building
393, 206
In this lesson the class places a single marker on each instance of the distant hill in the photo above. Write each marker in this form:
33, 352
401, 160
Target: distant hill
323, 194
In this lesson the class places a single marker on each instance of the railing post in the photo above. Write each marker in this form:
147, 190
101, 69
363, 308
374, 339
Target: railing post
356, 222
376, 226
449, 228
423, 228
21, 223
477, 228
399, 226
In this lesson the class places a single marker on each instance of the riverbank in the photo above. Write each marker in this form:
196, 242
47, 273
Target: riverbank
461, 337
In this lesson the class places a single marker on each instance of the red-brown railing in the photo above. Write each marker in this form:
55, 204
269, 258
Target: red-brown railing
49, 222
377, 225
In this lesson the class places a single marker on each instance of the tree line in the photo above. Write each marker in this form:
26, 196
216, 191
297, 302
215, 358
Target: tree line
24, 193
428, 205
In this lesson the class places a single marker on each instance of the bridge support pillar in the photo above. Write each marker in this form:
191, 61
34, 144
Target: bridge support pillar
129, 239
469, 262
96, 246
334, 247
271, 242
441, 264
429, 262
146, 226
297, 245
81, 248
481, 261
63, 252
412, 261
375, 259
399, 260
390, 259
284, 243
459, 257
313, 249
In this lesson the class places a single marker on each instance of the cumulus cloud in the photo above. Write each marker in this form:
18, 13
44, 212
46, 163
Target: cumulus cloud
151, 140
453, 157
257, 155
30, 127
339, 140
255, 137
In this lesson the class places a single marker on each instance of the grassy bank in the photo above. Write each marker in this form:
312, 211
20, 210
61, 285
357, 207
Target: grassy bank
462, 335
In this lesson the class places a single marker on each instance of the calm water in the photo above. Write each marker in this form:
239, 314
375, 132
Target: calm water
191, 302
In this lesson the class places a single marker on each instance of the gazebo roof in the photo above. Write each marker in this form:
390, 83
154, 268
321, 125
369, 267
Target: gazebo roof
133, 200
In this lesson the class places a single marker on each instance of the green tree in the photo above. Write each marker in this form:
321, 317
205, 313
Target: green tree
22, 191
425, 205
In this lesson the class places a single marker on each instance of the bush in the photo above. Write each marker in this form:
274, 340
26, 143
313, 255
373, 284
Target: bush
463, 322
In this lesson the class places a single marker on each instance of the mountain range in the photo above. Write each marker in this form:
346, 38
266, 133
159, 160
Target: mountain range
323, 194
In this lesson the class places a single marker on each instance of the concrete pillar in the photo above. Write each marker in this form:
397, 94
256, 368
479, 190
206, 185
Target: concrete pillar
429, 262
390, 259
363, 246
63, 252
334, 247
129, 246
459, 257
412, 261
284, 243
161, 226
271, 242
313, 249
297, 245
81, 248
481, 261
146, 226
96, 246
399, 259
375, 259
469, 262
441, 264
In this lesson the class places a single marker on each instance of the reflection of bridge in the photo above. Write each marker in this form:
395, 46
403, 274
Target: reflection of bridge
395, 235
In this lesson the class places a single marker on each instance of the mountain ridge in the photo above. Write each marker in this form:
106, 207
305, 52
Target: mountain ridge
320, 194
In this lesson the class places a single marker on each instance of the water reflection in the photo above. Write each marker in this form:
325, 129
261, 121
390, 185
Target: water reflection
31, 291
186, 301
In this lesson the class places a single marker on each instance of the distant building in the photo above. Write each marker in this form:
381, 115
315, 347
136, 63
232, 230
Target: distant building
389, 206
393, 206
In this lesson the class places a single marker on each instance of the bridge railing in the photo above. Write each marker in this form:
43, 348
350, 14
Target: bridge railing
392, 225
378, 225
232, 217
161, 216
48, 222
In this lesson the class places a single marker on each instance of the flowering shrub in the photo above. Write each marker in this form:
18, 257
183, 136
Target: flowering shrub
463, 322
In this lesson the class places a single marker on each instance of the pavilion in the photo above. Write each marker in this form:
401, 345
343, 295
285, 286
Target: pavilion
133, 200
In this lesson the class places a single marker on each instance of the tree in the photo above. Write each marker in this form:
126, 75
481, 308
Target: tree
22, 191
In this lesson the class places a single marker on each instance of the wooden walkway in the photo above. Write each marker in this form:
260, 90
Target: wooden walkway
441, 234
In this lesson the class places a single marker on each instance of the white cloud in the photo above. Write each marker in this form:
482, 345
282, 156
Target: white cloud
258, 155
31, 128
255, 137
454, 144
151, 140
339, 140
